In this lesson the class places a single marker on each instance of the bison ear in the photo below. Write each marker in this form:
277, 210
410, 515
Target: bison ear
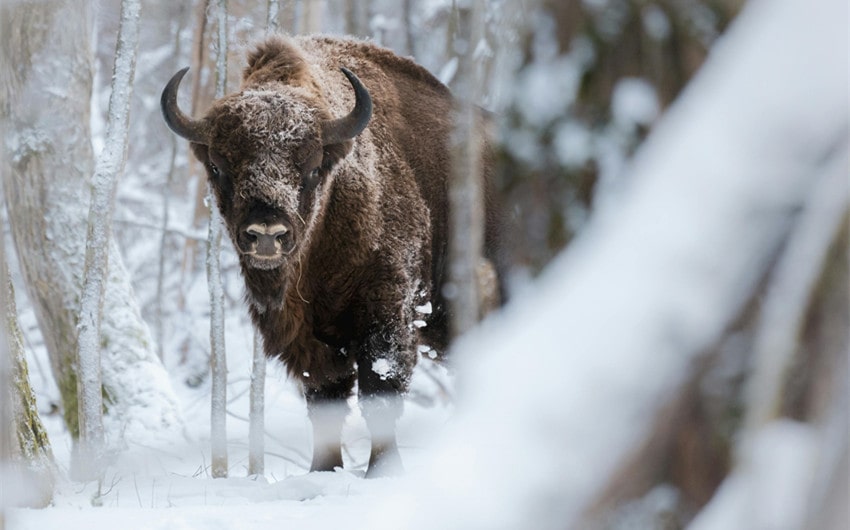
332, 154
200, 151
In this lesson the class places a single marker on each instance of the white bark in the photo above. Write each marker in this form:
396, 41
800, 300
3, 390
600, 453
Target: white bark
256, 416
218, 359
564, 386
110, 164
466, 209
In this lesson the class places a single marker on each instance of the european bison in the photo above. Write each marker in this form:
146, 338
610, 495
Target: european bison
340, 223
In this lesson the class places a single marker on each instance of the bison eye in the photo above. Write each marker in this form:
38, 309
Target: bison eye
214, 170
313, 177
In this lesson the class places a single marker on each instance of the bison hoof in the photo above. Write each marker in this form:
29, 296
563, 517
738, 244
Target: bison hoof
326, 461
386, 463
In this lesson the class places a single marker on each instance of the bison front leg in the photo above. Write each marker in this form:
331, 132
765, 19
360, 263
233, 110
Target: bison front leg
383, 376
327, 408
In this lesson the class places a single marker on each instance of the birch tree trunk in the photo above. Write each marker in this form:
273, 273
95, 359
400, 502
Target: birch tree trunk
45, 99
256, 416
466, 209
218, 359
110, 164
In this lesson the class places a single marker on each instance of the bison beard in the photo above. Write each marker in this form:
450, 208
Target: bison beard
340, 223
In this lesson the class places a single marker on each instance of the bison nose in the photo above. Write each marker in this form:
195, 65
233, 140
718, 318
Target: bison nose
269, 240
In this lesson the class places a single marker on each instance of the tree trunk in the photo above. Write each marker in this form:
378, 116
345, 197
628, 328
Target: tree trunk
201, 97
273, 16
466, 206
52, 129
110, 165
256, 417
5, 383
25, 454
45, 99
311, 19
33, 445
408, 22
289, 16
218, 359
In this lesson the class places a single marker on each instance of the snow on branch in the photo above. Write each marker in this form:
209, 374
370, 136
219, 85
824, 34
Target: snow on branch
563, 385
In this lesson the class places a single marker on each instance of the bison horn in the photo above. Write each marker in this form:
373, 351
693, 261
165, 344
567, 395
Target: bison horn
181, 124
345, 128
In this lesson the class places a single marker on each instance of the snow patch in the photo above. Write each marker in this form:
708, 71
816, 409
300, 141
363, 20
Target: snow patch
383, 368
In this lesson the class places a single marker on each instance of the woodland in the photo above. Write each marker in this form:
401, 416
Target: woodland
673, 353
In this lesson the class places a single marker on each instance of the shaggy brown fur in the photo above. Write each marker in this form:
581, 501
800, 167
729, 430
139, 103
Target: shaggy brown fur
366, 222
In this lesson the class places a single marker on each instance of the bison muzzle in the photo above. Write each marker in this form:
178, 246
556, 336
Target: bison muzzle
333, 189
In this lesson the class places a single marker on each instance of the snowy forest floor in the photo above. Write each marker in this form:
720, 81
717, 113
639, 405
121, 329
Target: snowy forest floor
167, 484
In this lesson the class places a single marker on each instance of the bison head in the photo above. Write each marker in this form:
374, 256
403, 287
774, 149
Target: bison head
268, 152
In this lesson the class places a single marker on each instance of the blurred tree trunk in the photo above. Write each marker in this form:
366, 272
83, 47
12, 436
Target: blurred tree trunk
356, 14
273, 16
311, 16
45, 100
167, 193
409, 33
352, 25
202, 93
466, 200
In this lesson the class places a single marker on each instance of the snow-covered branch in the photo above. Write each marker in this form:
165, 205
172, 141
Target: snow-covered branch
565, 383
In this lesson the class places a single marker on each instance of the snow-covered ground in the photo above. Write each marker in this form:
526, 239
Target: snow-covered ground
166, 484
